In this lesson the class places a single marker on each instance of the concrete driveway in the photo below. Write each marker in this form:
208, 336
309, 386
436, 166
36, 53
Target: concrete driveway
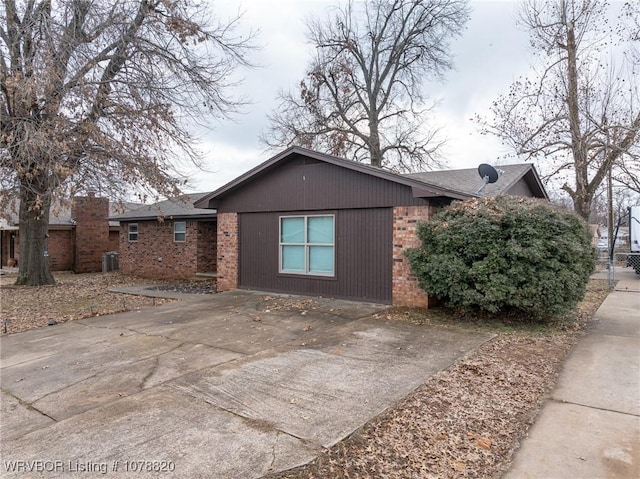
238, 384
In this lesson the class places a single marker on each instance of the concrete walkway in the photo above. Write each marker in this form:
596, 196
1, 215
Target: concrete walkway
590, 426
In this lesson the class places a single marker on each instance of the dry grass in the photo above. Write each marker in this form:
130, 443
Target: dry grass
73, 297
466, 421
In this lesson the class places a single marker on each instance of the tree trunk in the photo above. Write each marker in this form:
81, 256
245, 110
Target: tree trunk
33, 266
375, 152
582, 199
582, 204
583, 208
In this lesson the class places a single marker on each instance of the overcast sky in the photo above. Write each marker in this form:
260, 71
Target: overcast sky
489, 56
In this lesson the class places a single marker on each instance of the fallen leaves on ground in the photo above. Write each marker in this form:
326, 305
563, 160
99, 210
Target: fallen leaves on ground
188, 287
464, 422
468, 420
75, 296
285, 303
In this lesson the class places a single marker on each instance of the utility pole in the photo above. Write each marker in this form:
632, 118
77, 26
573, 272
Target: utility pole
611, 233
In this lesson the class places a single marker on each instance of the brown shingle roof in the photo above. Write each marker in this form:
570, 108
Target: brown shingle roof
468, 180
181, 207
60, 215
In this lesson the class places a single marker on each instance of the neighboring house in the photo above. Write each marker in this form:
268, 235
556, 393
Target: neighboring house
169, 239
308, 223
79, 235
622, 234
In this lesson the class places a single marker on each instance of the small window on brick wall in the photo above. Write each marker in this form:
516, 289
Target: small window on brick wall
133, 232
180, 231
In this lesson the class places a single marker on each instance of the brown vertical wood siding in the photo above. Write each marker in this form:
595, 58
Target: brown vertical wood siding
363, 255
304, 185
521, 188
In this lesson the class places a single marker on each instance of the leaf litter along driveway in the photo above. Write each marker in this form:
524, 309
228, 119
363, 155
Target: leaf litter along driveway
77, 296
465, 421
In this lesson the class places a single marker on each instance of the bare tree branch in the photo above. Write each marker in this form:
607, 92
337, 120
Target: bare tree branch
580, 111
101, 96
362, 95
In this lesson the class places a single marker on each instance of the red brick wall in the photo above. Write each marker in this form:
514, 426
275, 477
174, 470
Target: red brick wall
156, 254
227, 251
207, 246
114, 239
405, 285
60, 245
92, 232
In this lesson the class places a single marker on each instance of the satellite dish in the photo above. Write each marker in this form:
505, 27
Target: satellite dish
489, 174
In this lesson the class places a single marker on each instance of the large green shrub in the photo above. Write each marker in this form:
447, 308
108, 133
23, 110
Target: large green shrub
506, 255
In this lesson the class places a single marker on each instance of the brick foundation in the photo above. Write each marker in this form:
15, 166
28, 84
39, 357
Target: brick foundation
405, 290
228, 251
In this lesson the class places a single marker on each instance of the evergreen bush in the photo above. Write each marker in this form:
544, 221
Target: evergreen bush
505, 255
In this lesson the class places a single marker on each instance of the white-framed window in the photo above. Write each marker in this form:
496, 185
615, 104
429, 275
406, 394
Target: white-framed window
133, 232
180, 231
307, 245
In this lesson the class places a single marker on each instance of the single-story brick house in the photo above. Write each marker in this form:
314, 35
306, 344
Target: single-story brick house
169, 239
79, 234
308, 223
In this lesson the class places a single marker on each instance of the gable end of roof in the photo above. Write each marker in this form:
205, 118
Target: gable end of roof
426, 190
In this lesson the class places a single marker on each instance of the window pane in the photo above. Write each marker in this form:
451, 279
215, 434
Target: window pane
180, 237
133, 232
321, 259
180, 227
293, 258
292, 230
320, 229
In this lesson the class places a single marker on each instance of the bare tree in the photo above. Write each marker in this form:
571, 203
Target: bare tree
99, 95
362, 96
621, 199
629, 29
579, 115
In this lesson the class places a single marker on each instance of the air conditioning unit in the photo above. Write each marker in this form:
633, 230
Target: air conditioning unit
110, 261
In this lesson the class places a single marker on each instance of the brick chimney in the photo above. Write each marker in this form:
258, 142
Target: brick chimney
91, 215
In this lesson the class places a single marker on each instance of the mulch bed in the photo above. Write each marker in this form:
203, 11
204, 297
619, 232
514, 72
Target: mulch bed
188, 287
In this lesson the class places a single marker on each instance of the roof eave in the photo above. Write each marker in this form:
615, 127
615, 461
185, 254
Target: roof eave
538, 182
426, 192
199, 216
419, 188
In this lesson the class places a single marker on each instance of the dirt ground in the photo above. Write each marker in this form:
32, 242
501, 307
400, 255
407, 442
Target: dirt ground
465, 422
